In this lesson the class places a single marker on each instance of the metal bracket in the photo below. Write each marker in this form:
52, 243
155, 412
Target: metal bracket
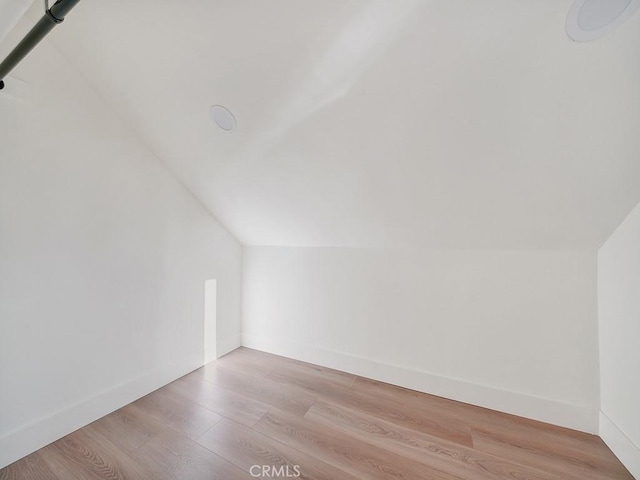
53, 16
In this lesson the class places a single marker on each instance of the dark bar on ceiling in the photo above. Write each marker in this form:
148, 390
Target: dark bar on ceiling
51, 18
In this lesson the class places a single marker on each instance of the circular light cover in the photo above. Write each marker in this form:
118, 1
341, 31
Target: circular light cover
223, 118
591, 19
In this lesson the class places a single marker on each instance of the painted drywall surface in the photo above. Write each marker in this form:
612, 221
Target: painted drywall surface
103, 254
380, 123
518, 321
10, 13
619, 326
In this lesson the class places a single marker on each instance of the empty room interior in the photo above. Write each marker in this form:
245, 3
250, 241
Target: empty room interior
328, 240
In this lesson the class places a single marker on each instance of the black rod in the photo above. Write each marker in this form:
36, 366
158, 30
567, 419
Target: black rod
51, 18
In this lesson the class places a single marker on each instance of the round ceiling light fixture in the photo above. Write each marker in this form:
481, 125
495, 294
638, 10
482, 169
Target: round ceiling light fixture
222, 117
591, 19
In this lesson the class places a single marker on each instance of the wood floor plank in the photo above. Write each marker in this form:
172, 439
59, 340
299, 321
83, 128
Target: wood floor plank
438, 424
269, 363
29, 467
247, 448
251, 407
172, 456
315, 372
569, 464
432, 451
534, 434
287, 398
129, 427
534, 443
478, 417
226, 403
358, 458
248, 361
178, 412
590, 449
87, 455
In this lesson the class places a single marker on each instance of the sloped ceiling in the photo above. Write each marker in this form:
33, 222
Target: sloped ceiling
10, 12
438, 123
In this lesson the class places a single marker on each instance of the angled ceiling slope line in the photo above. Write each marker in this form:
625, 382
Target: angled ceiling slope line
33, 13
448, 125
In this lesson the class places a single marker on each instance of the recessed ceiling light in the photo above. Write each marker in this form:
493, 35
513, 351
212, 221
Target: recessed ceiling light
591, 19
223, 118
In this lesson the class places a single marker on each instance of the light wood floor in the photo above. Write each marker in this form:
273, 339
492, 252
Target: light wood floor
251, 408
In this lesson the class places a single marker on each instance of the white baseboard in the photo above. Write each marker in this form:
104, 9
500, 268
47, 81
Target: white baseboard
229, 344
621, 445
577, 417
39, 433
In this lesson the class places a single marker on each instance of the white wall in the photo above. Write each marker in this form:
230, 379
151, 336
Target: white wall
103, 261
619, 323
511, 330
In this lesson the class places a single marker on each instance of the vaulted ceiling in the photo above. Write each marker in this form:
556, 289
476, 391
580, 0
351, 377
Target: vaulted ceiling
438, 123
10, 12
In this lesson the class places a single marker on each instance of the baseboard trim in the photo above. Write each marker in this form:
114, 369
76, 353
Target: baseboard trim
621, 445
31, 437
226, 345
576, 417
